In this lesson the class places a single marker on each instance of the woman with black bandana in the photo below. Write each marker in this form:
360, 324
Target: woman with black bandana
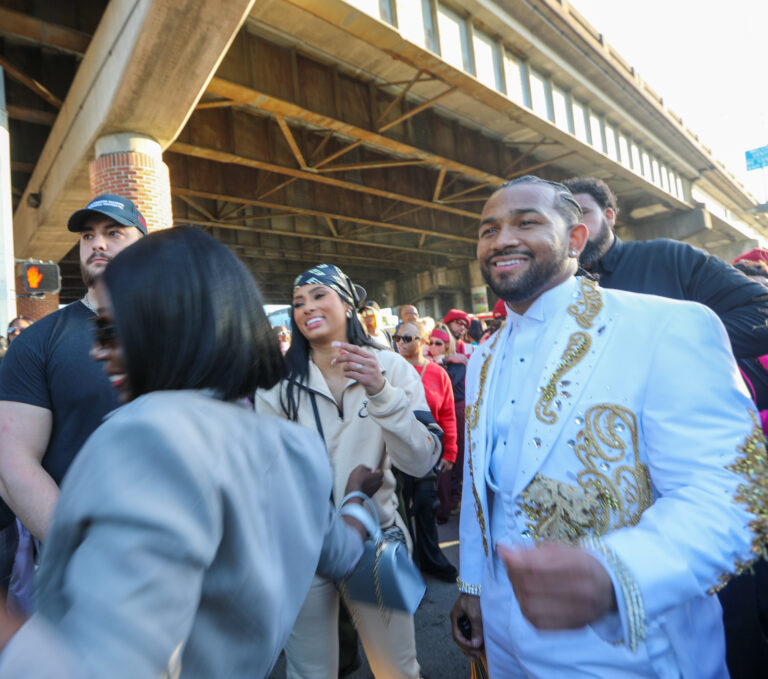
369, 406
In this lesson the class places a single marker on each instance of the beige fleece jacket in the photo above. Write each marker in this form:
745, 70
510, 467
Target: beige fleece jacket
394, 425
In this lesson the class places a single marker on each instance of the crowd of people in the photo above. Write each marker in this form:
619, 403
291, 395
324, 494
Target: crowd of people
172, 495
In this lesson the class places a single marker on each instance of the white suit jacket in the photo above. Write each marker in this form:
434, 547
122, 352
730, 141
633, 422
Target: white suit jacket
640, 433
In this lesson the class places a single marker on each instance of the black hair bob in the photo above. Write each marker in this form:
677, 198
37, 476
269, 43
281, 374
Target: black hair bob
189, 316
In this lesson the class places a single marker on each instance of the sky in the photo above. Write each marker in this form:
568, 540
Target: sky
708, 60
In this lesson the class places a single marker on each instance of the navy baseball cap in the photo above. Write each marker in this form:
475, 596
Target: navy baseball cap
122, 210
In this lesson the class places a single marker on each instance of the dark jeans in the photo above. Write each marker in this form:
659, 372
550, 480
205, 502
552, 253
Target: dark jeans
420, 501
9, 540
745, 618
449, 483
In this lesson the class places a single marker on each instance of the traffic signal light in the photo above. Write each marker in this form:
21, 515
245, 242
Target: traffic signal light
41, 278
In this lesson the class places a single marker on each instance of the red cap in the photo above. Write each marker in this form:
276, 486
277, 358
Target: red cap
457, 315
754, 255
500, 309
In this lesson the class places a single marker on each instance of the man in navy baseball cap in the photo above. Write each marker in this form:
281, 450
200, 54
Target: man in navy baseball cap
122, 210
52, 395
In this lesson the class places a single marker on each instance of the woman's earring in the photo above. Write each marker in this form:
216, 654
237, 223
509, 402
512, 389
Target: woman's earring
574, 253
349, 313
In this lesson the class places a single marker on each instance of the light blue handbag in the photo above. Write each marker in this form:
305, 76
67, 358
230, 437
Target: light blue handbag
385, 574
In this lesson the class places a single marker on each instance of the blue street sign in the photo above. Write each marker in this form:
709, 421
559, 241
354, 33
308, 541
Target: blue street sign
757, 158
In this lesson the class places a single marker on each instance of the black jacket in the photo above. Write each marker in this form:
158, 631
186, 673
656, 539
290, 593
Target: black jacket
670, 268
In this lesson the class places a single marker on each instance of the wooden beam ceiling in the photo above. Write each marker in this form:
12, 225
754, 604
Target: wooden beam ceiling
317, 236
221, 156
264, 102
183, 193
31, 115
30, 83
42, 32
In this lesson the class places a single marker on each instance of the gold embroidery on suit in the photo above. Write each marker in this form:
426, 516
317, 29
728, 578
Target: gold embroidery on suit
588, 305
584, 310
472, 417
752, 464
578, 346
612, 492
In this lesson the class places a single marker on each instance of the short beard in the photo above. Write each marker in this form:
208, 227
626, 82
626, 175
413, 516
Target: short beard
89, 279
595, 249
531, 282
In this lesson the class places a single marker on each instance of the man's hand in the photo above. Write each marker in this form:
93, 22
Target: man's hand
364, 480
469, 606
457, 358
444, 465
558, 586
9, 624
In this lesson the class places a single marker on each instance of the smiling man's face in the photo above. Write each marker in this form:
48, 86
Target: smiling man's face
524, 243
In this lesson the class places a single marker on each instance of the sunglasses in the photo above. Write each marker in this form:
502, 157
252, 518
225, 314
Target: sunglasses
14, 331
104, 332
436, 343
404, 338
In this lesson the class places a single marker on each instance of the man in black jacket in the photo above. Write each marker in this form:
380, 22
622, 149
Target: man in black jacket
670, 268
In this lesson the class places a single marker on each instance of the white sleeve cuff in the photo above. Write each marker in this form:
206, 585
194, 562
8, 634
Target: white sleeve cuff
627, 625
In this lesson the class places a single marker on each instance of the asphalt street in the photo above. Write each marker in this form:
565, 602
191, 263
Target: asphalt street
438, 655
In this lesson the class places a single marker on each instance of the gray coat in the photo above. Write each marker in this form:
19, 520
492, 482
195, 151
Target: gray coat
187, 533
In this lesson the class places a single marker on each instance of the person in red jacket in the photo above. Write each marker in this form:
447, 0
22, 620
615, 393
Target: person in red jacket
420, 495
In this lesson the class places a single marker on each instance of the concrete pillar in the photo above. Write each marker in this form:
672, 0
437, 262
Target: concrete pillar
678, 225
7, 262
730, 251
131, 165
478, 288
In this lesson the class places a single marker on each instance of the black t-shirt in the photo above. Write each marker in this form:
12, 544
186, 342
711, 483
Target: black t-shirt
48, 366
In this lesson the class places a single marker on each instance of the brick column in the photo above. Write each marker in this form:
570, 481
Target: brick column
131, 165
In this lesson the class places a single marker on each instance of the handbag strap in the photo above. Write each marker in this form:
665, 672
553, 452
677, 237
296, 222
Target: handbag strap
369, 518
318, 423
319, 426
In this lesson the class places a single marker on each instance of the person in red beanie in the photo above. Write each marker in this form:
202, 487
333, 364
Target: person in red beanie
753, 255
458, 323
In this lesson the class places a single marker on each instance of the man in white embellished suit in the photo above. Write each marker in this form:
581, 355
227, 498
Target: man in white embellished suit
614, 475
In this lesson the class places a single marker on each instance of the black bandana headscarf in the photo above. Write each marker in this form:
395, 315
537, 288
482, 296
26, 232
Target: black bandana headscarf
333, 277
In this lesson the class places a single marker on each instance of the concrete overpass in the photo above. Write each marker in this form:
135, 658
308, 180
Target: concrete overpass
363, 132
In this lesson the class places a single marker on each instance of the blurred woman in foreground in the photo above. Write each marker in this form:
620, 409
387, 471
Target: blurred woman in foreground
188, 529
369, 406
